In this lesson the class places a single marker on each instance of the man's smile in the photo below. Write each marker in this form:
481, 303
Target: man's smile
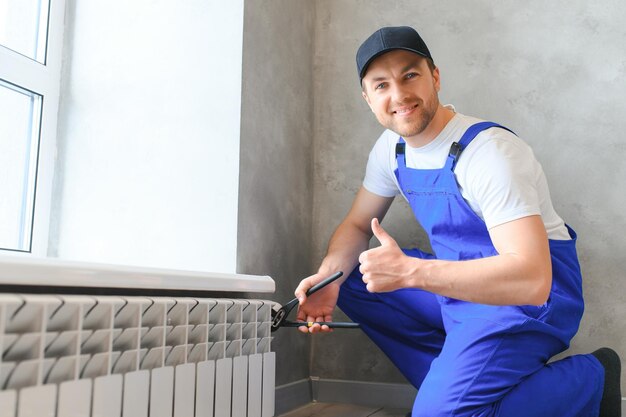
405, 111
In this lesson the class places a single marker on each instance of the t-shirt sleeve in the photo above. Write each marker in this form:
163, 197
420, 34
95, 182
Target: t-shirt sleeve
379, 176
501, 179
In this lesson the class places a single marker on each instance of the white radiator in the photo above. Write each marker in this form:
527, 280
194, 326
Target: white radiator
134, 356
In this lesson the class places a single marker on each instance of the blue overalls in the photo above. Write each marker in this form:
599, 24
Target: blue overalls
469, 359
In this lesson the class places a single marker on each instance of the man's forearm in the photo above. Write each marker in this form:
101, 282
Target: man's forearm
344, 249
520, 274
502, 279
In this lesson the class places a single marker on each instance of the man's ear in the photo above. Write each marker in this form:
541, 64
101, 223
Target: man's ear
437, 79
367, 99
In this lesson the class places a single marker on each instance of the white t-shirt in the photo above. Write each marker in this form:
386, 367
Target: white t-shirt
498, 174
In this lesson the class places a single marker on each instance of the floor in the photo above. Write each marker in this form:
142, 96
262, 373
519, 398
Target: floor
344, 410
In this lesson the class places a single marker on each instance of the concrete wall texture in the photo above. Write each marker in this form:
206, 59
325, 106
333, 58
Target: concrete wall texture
554, 72
276, 176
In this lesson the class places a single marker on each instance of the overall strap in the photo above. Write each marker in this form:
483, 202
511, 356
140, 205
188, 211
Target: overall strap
457, 147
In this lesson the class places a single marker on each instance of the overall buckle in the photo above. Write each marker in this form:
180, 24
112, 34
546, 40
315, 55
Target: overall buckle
400, 149
455, 150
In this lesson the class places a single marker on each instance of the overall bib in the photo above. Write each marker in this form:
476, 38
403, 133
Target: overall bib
469, 359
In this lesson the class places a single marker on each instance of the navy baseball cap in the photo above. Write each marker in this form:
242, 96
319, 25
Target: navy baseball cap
387, 39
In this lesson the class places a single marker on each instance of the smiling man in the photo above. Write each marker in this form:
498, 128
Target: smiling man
474, 323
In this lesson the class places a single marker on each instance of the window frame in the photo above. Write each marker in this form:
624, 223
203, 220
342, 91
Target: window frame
45, 80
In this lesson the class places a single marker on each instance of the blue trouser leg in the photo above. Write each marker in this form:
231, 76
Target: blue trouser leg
489, 360
410, 337
573, 387
493, 363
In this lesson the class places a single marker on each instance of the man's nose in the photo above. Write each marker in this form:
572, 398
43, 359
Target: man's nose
399, 93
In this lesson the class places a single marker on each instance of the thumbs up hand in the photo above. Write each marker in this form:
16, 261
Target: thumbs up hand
386, 268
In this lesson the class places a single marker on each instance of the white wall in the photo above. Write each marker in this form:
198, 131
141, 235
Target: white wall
148, 138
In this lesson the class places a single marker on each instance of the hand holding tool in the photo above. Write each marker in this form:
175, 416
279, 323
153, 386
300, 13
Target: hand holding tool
279, 315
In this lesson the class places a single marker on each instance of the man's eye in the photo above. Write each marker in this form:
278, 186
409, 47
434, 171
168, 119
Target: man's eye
380, 86
411, 75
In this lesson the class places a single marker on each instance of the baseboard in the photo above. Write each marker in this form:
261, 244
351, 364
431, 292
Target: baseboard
293, 395
377, 394
299, 393
363, 393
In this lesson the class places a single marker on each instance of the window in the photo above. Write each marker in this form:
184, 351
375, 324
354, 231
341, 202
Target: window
24, 27
30, 61
20, 112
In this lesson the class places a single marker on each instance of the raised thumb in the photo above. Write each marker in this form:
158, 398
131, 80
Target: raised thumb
381, 234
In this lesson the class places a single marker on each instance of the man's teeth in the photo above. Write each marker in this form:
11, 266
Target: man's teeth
402, 111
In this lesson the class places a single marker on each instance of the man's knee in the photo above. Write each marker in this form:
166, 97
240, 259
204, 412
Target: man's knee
430, 406
438, 410
445, 402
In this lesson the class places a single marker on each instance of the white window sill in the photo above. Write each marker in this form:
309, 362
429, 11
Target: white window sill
51, 272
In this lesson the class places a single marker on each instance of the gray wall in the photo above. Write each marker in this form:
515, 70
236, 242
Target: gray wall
276, 176
554, 72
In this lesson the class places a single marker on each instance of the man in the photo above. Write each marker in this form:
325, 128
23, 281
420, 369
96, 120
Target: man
475, 323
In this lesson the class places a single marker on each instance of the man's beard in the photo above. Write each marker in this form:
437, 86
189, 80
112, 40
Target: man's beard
425, 113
